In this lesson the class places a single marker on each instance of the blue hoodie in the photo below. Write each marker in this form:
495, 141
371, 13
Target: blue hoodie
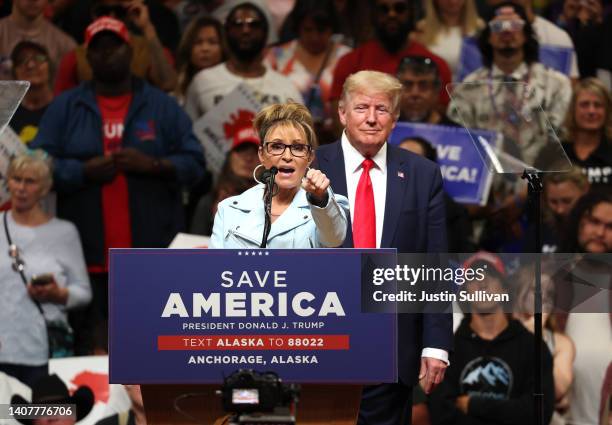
71, 132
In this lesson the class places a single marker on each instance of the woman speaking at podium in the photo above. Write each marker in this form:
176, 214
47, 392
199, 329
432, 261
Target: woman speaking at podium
293, 205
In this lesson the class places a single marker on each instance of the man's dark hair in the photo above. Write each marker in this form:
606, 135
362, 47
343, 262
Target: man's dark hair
428, 149
322, 12
531, 46
419, 65
584, 205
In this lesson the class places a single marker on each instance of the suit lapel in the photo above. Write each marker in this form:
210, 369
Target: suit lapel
332, 164
394, 197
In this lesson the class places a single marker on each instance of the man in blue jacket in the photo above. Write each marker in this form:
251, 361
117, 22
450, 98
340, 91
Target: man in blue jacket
123, 151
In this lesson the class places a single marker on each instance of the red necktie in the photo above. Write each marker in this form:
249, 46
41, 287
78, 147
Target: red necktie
364, 220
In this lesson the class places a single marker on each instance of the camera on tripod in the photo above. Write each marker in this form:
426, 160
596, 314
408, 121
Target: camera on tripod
256, 398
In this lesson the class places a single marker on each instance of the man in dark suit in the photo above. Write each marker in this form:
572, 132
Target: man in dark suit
396, 201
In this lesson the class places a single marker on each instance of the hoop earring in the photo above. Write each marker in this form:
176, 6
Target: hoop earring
255, 173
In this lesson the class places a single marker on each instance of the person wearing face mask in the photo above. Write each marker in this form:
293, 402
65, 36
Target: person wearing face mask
246, 31
123, 150
304, 211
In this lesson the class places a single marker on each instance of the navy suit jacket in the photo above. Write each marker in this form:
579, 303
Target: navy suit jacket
414, 222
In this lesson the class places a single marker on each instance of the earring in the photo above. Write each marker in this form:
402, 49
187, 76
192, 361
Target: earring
255, 173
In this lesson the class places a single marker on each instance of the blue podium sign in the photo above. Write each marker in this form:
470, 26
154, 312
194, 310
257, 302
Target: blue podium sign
465, 175
194, 316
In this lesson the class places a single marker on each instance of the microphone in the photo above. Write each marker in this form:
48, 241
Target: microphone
268, 175
267, 178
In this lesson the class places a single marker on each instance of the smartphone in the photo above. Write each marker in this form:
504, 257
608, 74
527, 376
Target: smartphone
42, 279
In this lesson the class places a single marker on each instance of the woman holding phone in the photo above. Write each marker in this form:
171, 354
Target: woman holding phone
42, 270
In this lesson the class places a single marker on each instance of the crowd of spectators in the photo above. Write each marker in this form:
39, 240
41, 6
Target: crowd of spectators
117, 85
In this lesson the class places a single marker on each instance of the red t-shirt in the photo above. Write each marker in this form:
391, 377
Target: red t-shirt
115, 199
373, 56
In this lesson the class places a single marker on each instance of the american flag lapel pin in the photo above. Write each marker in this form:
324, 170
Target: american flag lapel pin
400, 174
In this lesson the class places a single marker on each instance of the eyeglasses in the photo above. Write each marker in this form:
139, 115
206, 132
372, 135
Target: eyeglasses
420, 64
299, 150
38, 59
116, 10
399, 8
506, 25
18, 263
253, 23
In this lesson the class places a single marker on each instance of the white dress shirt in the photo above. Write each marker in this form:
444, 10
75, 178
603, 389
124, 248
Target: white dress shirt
378, 175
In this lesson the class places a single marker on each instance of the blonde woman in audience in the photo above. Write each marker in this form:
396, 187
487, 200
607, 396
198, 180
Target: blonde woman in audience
444, 26
589, 132
42, 270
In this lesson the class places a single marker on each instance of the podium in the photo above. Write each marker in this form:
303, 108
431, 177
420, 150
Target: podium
181, 320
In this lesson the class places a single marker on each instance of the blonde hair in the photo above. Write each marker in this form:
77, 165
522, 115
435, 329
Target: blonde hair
36, 160
370, 82
574, 175
432, 25
286, 114
598, 88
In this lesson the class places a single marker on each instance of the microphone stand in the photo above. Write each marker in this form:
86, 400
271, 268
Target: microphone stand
534, 182
268, 179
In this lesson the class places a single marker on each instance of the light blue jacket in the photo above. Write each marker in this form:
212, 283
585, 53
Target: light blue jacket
239, 222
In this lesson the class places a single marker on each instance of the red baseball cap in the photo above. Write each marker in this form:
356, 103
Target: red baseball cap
106, 23
245, 135
488, 258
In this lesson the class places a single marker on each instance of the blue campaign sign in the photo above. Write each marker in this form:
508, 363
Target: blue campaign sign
194, 316
555, 57
466, 177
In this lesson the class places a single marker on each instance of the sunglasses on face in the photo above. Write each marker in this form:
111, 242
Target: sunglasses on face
38, 59
418, 65
253, 23
423, 61
506, 25
398, 8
